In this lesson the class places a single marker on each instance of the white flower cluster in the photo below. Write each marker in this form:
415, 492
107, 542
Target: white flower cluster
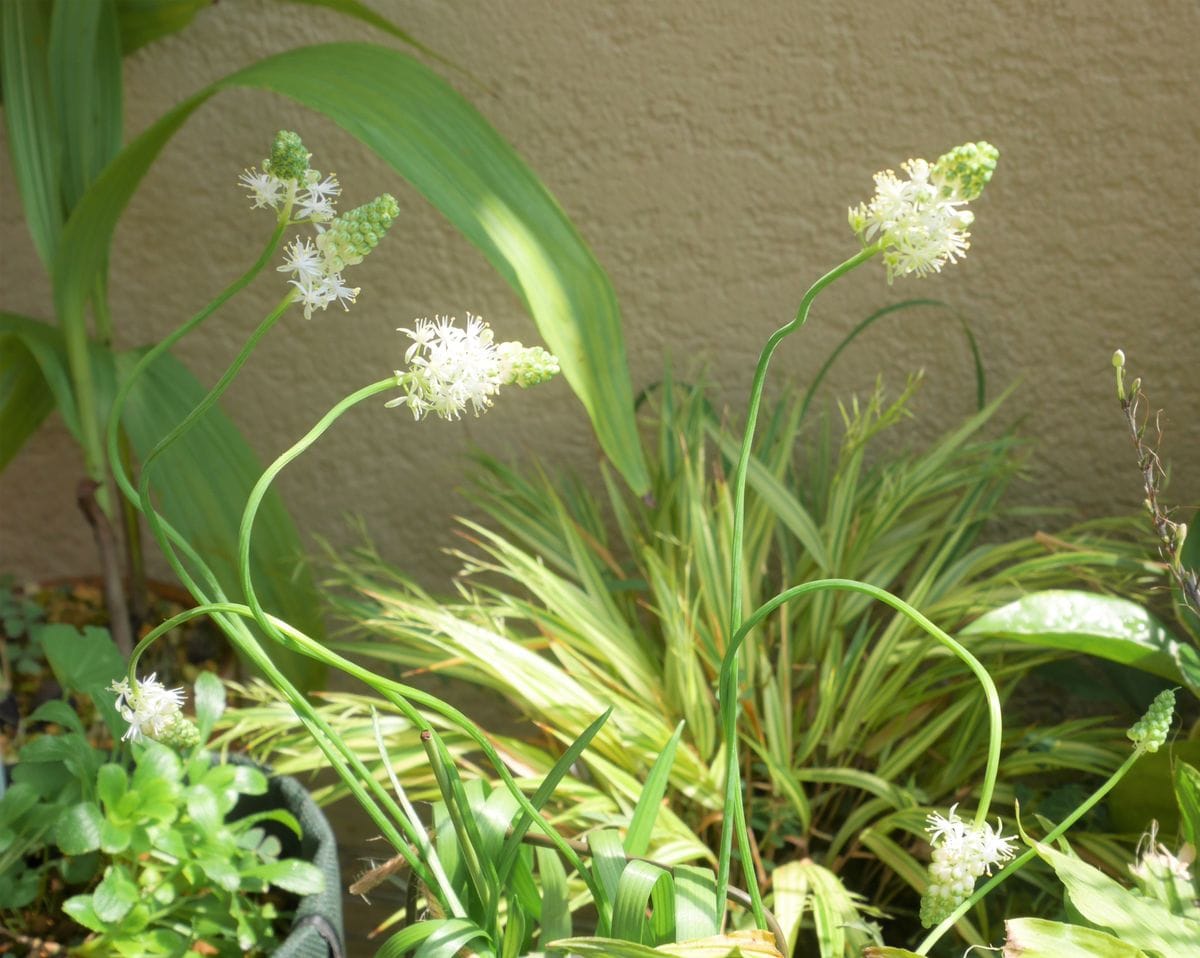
453, 368
317, 283
313, 196
920, 222
962, 852
149, 708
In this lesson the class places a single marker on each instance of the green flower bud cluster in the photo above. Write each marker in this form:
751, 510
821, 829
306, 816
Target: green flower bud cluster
966, 170
1150, 731
181, 733
353, 235
526, 365
289, 158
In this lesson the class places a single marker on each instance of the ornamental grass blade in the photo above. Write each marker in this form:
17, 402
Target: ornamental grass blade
641, 824
437, 938
697, 912
1100, 625
644, 906
512, 844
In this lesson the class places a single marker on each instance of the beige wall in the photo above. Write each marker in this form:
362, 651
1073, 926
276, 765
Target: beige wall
708, 153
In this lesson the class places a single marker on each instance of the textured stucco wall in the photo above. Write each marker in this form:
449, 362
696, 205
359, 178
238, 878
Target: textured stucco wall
707, 152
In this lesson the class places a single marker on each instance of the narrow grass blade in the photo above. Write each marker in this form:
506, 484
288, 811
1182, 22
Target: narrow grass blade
641, 824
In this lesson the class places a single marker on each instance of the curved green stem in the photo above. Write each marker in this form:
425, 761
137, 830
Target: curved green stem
400, 695
734, 818
1012, 867
114, 418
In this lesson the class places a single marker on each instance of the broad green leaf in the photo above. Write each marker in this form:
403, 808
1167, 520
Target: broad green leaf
144, 21
1187, 794
208, 694
116, 894
420, 126
33, 138
111, 784
1147, 791
1100, 625
641, 823
80, 908
555, 920
84, 66
1039, 938
205, 503
59, 712
291, 874
87, 662
45, 343
25, 396
1143, 922
78, 830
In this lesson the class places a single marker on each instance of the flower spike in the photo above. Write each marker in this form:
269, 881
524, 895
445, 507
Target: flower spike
919, 222
452, 368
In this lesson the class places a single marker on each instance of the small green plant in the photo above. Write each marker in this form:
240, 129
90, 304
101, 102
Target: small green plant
141, 845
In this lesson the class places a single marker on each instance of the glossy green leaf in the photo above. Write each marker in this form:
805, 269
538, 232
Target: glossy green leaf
1039, 938
116, 894
25, 396
428, 133
645, 813
1142, 922
87, 662
208, 694
1100, 625
291, 874
78, 830
33, 136
205, 503
144, 21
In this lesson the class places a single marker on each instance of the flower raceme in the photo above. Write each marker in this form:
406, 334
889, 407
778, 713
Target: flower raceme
301, 195
962, 852
153, 711
452, 368
316, 266
919, 223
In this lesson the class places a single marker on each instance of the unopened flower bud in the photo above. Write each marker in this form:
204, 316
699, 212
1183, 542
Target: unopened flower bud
353, 235
1118, 359
966, 170
1150, 731
289, 158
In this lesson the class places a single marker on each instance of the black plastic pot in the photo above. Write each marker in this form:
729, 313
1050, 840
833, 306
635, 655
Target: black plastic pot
317, 930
